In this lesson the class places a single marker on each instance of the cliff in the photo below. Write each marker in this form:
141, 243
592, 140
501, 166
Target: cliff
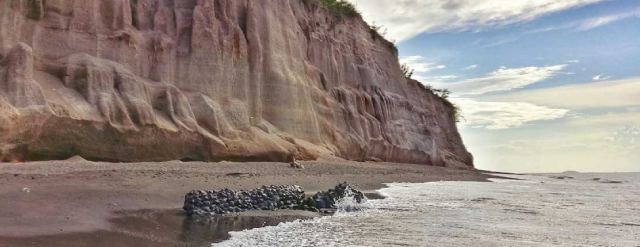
209, 80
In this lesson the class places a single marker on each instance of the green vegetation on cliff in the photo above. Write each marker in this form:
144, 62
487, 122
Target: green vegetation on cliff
339, 8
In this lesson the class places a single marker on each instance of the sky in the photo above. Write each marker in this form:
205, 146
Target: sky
544, 85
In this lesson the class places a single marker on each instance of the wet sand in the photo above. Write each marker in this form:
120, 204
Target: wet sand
163, 228
80, 203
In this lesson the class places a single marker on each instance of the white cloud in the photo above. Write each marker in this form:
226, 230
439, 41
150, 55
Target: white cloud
552, 28
583, 139
626, 142
501, 41
573, 61
441, 78
591, 23
408, 18
604, 94
554, 148
503, 115
419, 64
606, 120
472, 67
601, 77
503, 79
600, 21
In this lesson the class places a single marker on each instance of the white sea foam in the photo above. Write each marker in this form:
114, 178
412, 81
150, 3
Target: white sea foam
539, 211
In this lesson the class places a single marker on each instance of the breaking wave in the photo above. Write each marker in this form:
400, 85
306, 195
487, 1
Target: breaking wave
538, 211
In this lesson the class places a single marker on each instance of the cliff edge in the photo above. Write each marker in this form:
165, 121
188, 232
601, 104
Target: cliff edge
209, 80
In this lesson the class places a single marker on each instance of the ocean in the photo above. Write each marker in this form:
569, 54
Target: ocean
537, 210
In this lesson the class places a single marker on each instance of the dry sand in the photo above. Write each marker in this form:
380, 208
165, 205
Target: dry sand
81, 203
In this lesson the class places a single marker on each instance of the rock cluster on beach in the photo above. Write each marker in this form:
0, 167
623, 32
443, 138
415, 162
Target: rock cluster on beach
205, 203
328, 199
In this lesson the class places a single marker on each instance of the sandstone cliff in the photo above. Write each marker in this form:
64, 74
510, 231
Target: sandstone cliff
156, 80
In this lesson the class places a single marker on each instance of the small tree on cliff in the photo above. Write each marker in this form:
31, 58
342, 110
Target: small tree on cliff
443, 93
406, 70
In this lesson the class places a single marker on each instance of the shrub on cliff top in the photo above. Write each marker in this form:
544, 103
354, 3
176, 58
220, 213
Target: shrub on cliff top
444, 94
342, 9
407, 71
339, 8
441, 93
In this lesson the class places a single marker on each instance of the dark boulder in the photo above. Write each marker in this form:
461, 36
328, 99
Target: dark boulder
328, 199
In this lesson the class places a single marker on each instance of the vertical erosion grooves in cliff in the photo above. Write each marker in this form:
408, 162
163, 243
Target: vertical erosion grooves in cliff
154, 80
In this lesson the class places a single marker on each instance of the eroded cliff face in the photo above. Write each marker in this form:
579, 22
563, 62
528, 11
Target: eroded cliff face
156, 80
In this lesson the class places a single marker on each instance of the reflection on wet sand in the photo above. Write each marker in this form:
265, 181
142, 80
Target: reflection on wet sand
160, 229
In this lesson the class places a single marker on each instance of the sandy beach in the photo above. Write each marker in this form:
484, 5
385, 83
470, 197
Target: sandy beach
81, 203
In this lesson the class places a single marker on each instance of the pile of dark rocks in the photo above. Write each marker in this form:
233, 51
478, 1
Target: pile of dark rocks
213, 202
203, 203
329, 199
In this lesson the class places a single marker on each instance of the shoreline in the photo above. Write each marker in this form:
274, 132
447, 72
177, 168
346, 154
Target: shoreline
65, 199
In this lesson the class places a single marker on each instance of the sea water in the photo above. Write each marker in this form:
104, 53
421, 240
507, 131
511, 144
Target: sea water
586, 210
